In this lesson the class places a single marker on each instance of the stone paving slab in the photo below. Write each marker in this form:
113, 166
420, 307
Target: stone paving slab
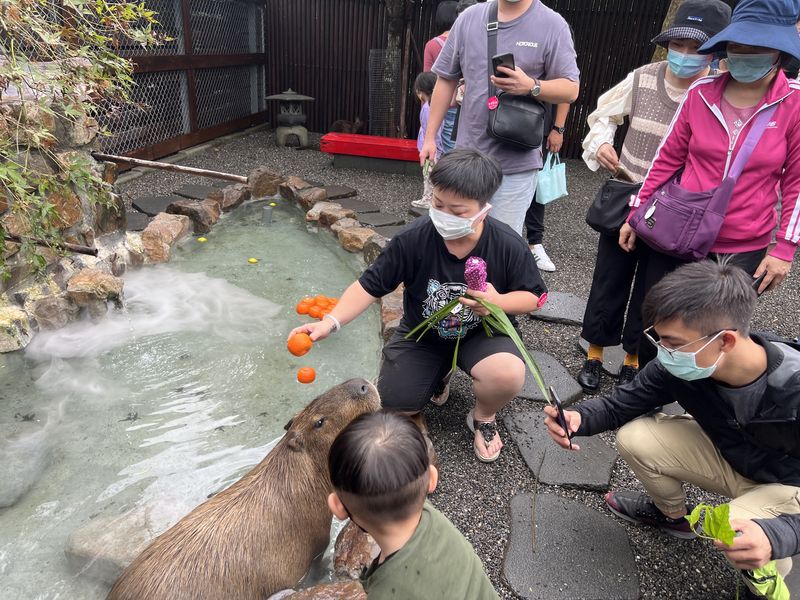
554, 374
137, 221
588, 469
388, 232
418, 212
560, 549
793, 579
562, 307
358, 206
336, 192
613, 357
195, 192
152, 205
379, 219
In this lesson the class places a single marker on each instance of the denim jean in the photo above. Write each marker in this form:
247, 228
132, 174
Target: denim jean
448, 143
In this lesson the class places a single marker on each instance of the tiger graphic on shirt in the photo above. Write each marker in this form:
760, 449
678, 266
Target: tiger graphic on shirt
461, 320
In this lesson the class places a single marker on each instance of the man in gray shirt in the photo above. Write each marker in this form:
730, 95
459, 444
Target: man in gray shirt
544, 56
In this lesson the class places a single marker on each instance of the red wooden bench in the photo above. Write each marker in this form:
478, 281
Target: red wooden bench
373, 146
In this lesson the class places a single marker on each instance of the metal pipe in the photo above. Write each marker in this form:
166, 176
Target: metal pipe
64, 245
152, 164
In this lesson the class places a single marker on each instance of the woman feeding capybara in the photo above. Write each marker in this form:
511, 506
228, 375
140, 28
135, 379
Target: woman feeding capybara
260, 535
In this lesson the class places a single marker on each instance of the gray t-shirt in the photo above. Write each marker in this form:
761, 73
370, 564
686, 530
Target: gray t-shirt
542, 45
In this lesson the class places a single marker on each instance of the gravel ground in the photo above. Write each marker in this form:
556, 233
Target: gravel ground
473, 495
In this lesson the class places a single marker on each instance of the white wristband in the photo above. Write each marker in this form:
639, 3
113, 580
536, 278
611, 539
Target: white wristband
336, 325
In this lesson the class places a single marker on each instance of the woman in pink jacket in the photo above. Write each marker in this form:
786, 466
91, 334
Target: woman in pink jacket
707, 132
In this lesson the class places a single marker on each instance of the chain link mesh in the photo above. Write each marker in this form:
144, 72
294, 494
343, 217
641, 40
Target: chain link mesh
160, 113
228, 93
384, 91
227, 27
170, 28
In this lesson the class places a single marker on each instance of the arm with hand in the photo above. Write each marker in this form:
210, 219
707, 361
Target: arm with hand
440, 102
555, 140
612, 108
512, 303
553, 91
353, 302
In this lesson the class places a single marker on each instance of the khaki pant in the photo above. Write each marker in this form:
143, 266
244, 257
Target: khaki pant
666, 451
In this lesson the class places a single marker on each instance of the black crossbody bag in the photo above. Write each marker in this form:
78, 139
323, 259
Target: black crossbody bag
517, 120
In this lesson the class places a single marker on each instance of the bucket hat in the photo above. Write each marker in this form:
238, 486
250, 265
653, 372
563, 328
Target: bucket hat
697, 20
767, 23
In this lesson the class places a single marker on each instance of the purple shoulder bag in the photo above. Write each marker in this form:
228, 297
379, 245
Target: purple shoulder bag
686, 224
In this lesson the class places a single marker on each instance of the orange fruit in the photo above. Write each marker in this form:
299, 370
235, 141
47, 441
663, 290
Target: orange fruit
306, 375
315, 312
299, 344
302, 308
319, 299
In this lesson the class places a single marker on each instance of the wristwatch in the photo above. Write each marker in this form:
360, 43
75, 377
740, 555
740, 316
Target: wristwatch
558, 129
537, 88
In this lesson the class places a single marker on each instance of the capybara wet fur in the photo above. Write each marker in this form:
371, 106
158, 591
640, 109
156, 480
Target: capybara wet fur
260, 535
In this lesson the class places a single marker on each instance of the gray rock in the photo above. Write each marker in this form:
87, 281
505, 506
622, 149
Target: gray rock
380, 219
359, 206
373, 248
138, 221
196, 192
590, 468
152, 205
562, 307
25, 458
336, 192
562, 550
388, 232
554, 374
613, 356
418, 212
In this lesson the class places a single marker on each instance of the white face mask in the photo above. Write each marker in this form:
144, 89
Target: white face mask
451, 227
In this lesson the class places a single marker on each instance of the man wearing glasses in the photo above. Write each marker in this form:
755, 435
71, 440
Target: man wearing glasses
741, 435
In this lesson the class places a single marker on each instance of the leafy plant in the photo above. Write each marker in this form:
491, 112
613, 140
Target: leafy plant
713, 523
59, 66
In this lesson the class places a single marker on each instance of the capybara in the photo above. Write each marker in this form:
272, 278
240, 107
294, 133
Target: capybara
260, 535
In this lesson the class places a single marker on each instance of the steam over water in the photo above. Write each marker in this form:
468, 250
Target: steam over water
159, 405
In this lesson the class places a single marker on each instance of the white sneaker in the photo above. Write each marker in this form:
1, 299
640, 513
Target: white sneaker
421, 204
542, 260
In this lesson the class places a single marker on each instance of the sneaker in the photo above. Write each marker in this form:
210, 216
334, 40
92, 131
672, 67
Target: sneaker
589, 377
627, 374
639, 508
421, 203
542, 260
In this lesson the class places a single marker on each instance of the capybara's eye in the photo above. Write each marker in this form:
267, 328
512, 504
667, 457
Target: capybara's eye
319, 423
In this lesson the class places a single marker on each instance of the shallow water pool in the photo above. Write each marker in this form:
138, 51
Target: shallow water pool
168, 401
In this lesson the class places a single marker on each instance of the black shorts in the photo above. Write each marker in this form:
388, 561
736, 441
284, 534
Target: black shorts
411, 371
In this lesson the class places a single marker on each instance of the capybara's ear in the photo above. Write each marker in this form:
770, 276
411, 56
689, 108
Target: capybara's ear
288, 425
294, 441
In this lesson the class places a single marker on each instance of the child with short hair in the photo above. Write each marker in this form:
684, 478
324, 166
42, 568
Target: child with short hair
428, 258
381, 475
423, 88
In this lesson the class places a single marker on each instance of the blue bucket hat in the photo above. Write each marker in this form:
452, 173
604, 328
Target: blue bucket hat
767, 23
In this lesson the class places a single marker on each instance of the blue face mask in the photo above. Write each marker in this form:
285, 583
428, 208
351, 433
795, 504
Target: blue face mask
683, 365
747, 68
685, 66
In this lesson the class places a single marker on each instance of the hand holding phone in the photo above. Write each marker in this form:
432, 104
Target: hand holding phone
503, 60
562, 420
757, 282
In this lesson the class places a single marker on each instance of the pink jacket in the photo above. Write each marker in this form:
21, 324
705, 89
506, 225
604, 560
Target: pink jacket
698, 140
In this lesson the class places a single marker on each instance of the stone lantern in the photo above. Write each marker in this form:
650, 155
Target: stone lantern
291, 117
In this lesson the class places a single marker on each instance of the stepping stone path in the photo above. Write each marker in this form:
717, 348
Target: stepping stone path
554, 374
387, 232
336, 192
613, 357
196, 192
379, 219
562, 307
418, 212
356, 205
588, 469
560, 549
152, 205
137, 221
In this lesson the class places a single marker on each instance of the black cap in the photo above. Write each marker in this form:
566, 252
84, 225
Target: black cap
698, 20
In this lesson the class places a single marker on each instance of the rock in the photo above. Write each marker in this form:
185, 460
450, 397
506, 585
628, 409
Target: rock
35, 161
308, 197
110, 172
68, 208
152, 205
374, 247
217, 196
103, 547
554, 374
92, 288
351, 590
380, 219
360, 206
588, 469
336, 192
417, 212
25, 458
354, 238
354, 550
560, 549
9, 249
562, 308
135, 247
329, 216
313, 213
391, 312
54, 312
110, 217
264, 182
195, 192
15, 328
282, 595
38, 119
136, 221
162, 233
345, 224
289, 188
234, 195
79, 131
390, 231
15, 224
204, 214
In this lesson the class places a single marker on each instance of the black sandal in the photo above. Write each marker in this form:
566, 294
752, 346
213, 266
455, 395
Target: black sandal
487, 429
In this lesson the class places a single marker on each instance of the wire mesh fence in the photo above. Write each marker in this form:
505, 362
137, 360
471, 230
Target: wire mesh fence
228, 93
384, 92
169, 29
226, 27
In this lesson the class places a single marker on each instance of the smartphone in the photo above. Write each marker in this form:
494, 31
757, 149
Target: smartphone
623, 174
502, 60
757, 282
562, 421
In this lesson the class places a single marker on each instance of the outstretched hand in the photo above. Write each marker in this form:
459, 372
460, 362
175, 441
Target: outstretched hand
318, 330
573, 419
776, 271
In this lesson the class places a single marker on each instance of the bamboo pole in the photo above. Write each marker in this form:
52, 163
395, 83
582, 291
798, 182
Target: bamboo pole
63, 245
151, 164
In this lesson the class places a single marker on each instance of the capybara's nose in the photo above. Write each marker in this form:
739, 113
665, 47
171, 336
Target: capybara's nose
359, 387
